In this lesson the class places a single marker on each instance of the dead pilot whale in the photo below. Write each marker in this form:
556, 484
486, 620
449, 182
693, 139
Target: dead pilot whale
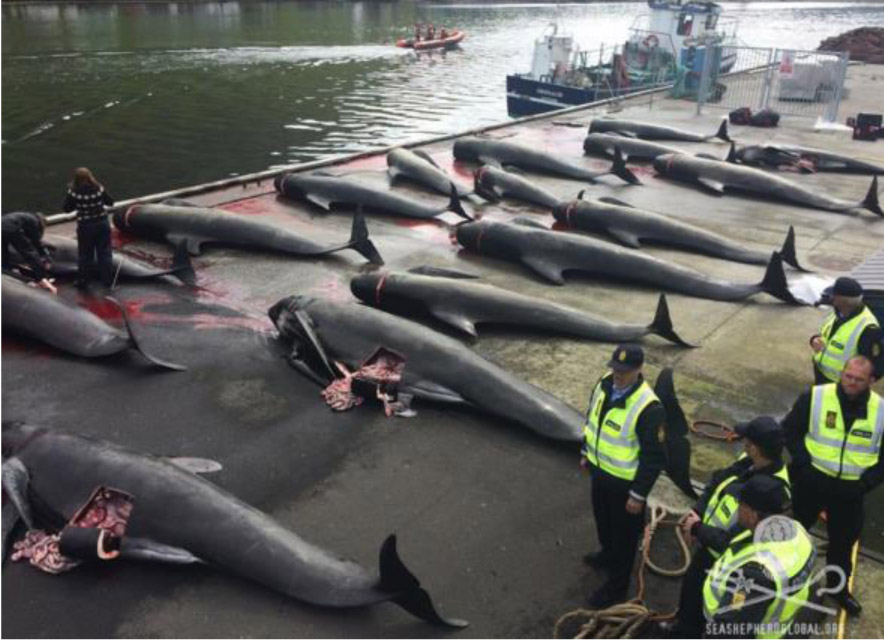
51, 319
630, 225
462, 304
195, 226
501, 153
649, 131
550, 254
181, 518
437, 367
719, 177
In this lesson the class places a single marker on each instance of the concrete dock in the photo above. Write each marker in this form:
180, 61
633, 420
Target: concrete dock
492, 519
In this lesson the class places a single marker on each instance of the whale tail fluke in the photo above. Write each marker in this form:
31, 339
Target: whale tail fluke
775, 283
360, 241
182, 267
171, 366
662, 324
456, 206
722, 133
619, 168
397, 579
871, 200
788, 252
675, 432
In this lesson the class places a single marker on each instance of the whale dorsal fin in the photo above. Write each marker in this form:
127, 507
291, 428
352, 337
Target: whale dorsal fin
624, 237
456, 320
196, 465
544, 267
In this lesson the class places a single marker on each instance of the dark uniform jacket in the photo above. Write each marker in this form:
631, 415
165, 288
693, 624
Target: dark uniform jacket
739, 621
23, 230
652, 456
713, 537
797, 422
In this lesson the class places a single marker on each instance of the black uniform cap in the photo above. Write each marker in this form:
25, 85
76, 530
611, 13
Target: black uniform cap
627, 357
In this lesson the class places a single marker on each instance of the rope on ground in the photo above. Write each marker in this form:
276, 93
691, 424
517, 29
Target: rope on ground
627, 619
714, 430
658, 514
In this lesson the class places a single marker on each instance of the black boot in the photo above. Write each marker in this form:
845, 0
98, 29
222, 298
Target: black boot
850, 604
597, 560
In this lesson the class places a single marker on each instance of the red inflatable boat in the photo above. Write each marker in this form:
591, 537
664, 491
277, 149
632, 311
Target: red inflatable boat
449, 41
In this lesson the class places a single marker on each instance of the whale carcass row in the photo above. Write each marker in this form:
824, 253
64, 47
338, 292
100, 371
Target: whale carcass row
194, 227
63, 252
331, 192
649, 131
551, 254
630, 226
178, 517
463, 304
719, 177
38, 314
421, 168
437, 367
502, 154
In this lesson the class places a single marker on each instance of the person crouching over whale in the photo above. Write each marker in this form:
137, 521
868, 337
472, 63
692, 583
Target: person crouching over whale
23, 233
623, 453
87, 197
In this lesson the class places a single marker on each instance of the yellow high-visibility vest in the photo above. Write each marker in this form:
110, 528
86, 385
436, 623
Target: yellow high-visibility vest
721, 511
841, 347
834, 451
613, 446
788, 561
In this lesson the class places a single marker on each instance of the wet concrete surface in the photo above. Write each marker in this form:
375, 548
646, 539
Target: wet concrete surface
491, 518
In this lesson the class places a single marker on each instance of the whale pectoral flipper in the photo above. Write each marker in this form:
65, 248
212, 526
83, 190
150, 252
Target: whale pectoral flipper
714, 186
320, 201
545, 268
150, 551
15, 487
136, 343
16, 481
428, 390
624, 237
455, 320
426, 156
194, 245
616, 201
441, 272
196, 465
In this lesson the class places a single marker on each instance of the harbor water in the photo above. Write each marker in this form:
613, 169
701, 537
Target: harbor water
154, 96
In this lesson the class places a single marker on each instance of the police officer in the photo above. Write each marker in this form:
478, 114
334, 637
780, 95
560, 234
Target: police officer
713, 520
759, 584
851, 329
624, 456
22, 232
833, 434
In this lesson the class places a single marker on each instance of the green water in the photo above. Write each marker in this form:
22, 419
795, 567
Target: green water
159, 95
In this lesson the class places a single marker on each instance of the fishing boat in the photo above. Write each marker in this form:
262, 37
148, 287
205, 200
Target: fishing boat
448, 41
668, 45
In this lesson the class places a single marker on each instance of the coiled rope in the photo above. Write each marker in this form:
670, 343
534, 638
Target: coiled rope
627, 619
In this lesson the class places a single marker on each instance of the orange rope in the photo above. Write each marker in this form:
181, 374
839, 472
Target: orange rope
726, 432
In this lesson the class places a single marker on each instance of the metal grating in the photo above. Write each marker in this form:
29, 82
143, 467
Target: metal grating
870, 273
